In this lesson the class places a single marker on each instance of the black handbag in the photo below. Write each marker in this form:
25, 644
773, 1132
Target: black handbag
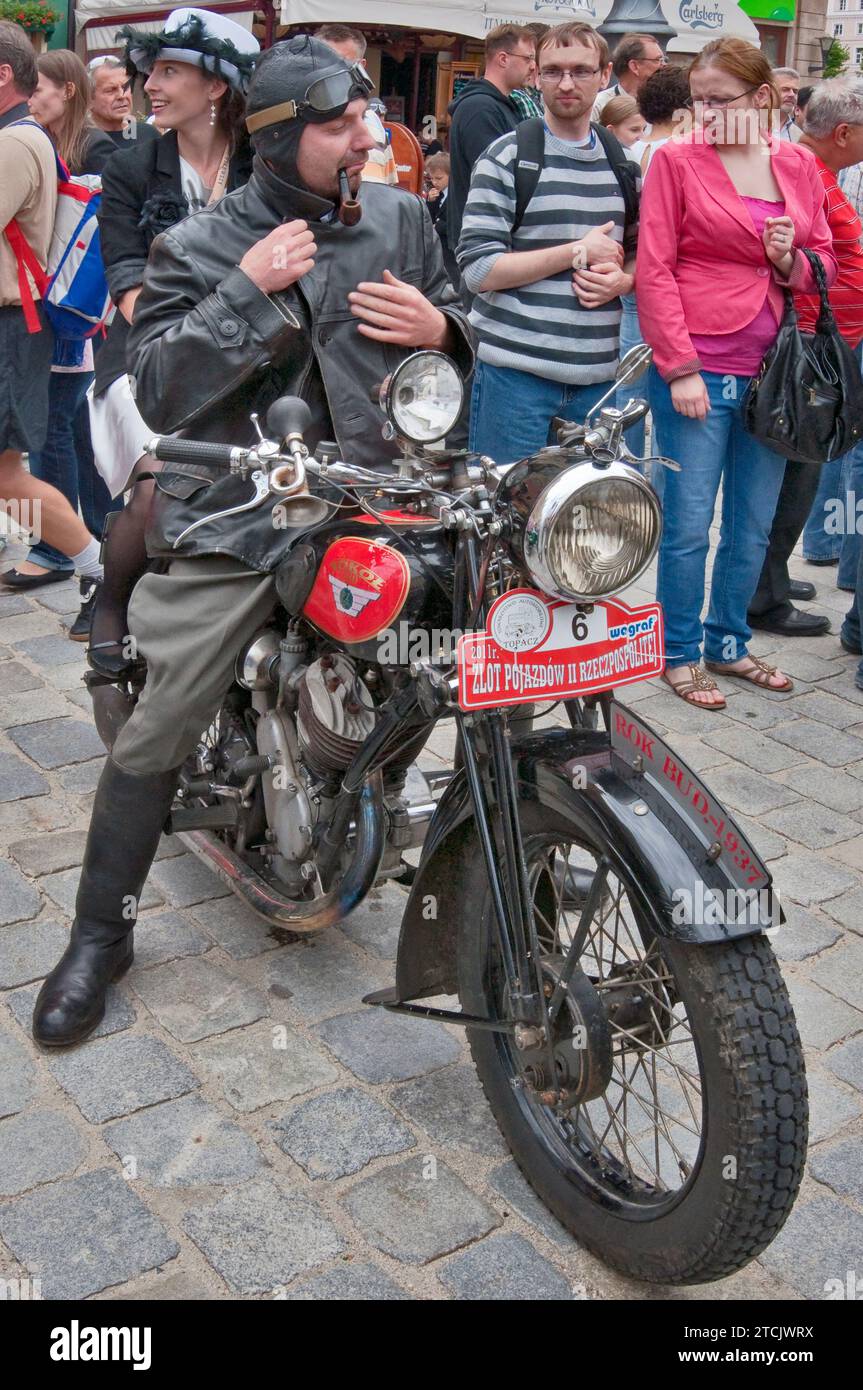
807, 400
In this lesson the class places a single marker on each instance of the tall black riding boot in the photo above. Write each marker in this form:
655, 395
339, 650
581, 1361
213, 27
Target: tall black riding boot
128, 814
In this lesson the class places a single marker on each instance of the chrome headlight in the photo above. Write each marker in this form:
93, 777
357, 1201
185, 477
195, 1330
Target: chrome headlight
592, 531
423, 397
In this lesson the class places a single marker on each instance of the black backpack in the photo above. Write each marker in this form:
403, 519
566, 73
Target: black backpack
530, 157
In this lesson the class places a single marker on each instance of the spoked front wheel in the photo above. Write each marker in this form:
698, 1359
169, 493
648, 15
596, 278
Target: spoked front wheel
663, 1116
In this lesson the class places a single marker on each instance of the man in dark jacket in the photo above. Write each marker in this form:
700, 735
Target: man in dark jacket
264, 294
484, 109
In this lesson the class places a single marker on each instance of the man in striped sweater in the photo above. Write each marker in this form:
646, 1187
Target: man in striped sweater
547, 308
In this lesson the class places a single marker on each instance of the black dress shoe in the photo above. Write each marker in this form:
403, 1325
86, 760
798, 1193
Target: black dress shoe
793, 624
89, 590
822, 563
801, 590
13, 580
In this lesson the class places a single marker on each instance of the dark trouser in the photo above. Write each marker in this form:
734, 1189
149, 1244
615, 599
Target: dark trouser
799, 486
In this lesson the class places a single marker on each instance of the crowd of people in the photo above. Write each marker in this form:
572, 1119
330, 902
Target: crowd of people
579, 212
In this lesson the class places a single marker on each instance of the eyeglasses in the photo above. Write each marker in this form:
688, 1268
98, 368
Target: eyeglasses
715, 103
554, 76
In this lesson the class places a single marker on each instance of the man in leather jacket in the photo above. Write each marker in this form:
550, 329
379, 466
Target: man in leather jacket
265, 294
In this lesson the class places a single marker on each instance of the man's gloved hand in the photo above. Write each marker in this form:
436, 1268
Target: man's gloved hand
281, 258
395, 312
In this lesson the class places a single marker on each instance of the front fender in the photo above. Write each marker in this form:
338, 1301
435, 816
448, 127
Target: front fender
645, 834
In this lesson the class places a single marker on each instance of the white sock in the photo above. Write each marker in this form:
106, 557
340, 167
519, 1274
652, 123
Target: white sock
87, 561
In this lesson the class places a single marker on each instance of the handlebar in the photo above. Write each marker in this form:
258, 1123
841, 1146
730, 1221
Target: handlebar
171, 450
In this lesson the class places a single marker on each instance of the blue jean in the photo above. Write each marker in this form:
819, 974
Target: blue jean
852, 627
511, 411
852, 541
821, 540
67, 463
630, 335
717, 449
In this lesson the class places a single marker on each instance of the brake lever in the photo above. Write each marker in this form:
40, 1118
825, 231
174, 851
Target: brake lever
262, 489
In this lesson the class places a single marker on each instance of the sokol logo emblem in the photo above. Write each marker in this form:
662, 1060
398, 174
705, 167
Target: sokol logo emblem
349, 599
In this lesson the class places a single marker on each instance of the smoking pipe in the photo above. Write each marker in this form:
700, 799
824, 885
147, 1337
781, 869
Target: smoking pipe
350, 209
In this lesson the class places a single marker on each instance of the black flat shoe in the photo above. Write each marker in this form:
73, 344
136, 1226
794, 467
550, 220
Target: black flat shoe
801, 590
13, 580
793, 624
822, 564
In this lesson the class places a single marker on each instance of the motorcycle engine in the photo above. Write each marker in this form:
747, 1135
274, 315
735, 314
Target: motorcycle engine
335, 715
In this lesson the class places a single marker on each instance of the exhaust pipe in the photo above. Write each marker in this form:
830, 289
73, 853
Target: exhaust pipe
318, 913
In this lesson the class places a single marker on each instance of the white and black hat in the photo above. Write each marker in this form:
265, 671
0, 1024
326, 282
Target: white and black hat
213, 42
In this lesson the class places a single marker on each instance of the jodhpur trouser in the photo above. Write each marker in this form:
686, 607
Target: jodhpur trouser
190, 625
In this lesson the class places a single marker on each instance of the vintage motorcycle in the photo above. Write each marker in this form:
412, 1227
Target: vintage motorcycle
601, 920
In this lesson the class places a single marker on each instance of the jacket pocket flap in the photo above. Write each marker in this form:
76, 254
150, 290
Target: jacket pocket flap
182, 485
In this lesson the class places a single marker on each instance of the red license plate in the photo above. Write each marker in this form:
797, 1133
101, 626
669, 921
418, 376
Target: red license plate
538, 648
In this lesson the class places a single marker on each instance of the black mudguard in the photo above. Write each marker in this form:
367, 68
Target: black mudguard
651, 836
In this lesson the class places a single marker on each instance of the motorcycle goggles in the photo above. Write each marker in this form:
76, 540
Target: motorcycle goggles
325, 99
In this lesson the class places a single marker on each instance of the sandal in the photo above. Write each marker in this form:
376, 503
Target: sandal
699, 681
757, 673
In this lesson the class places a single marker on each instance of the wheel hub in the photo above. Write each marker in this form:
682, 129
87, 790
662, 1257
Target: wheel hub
639, 1008
581, 1043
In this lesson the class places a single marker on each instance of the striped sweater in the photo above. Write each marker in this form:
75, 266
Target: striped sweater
541, 328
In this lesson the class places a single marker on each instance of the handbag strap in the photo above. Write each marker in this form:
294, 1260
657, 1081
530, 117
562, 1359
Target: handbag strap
826, 321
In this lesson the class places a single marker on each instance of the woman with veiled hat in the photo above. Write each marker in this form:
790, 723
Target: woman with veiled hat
198, 68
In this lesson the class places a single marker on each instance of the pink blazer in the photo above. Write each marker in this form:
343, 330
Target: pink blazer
701, 265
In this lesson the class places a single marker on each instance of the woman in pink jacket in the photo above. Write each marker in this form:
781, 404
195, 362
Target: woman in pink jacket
723, 215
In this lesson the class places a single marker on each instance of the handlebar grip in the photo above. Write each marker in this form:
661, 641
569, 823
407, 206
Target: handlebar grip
171, 450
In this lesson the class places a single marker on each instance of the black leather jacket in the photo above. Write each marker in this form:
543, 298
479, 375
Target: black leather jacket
207, 347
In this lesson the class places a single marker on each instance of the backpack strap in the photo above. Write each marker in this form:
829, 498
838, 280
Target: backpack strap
624, 170
27, 260
529, 159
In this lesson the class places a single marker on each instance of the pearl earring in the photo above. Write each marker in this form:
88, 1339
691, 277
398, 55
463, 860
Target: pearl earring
212, 113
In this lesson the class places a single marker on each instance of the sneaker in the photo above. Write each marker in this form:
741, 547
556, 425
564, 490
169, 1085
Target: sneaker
80, 629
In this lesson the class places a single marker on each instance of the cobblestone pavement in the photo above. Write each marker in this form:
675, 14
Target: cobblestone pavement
242, 1127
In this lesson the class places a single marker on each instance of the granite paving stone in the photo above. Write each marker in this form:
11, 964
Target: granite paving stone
29, 951
53, 650
15, 678
846, 1062
509, 1182
839, 1167
83, 777
59, 598
748, 791
20, 628
809, 879
830, 786
14, 603
17, 1075
832, 1106
826, 707
183, 1143
194, 998
47, 854
819, 1243
236, 928
18, 898
378, 1047
830, 746
119, 1013
38, 1147
257, 1066
62, 888
184, 880
376, 923
841, 971
57, 742
757, 751
803, 934
821, 1019
812, 825
84, 1234
259, 1238
452, 1109
18, 710
116, 1075
336, 1134
756, 711
803, 665
418, 1209
503, 1268
19, 779
354, 1283
166, 936
323, 976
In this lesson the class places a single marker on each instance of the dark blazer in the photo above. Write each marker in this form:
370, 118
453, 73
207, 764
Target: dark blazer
100, 148
141, 197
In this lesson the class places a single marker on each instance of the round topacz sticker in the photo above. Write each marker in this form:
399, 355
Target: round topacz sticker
519, 621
